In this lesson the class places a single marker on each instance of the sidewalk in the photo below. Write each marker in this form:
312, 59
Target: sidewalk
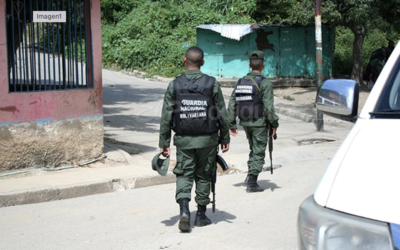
120, 170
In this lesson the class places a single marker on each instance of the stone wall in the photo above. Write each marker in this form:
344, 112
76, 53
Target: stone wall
50, 144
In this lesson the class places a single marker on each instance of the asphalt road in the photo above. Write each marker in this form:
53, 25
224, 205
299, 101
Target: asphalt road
147, 218
132, 110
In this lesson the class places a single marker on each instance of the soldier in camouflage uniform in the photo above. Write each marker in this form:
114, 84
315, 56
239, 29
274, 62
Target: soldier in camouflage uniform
252, 101
194, 109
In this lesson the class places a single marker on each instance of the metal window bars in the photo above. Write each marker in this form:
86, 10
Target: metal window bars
49, 56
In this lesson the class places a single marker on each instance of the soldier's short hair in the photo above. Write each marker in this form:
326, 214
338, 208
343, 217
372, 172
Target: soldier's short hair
256, 64
194, 56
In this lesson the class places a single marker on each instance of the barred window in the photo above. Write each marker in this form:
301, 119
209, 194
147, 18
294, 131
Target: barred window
44, 56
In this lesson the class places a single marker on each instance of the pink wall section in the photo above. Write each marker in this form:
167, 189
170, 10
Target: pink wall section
32, 106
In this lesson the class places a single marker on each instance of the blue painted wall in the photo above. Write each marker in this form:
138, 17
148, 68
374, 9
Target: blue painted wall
289, 52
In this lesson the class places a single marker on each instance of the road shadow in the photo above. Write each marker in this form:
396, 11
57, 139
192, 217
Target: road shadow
130, 93
130, 148
218, 216
306, 90
131, 122
131, 108
265, 184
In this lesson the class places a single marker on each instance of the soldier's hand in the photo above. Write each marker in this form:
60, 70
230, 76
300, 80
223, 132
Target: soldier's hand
224, 147
233, 132
273, 133
165, 152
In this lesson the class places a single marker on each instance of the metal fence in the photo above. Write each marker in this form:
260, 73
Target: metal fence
49, 56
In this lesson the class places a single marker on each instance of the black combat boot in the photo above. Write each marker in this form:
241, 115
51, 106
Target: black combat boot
184, 221
246, 181
201, 218
252, 185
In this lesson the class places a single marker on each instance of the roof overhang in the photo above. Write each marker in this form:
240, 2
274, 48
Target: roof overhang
237, 31
231, 31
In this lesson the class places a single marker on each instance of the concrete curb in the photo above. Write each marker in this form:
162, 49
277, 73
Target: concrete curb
52, 194
277, 83
297, 115
230, 82
84, 189
311, 118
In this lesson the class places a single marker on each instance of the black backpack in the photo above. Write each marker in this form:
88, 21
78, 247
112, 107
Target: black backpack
376, 54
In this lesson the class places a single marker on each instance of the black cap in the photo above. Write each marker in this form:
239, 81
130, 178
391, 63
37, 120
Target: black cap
257, 55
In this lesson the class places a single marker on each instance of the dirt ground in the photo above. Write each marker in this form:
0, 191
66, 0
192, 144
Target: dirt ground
298, 95
306, 96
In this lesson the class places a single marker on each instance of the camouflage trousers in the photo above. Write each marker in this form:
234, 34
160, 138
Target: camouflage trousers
258, 140
195, 166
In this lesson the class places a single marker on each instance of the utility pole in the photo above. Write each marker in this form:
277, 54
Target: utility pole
319, 58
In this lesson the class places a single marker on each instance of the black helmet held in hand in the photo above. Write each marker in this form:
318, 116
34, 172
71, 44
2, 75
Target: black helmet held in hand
160, 165
222, 162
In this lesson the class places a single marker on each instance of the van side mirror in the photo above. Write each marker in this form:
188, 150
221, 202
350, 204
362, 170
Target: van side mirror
338, 98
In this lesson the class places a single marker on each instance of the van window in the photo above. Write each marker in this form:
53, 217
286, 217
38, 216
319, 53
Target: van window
388, 105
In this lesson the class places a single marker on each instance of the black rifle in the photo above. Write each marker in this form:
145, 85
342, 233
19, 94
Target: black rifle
224, 167
214, 180
270, 144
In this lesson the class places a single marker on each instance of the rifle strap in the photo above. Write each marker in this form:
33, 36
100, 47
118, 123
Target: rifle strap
257, 86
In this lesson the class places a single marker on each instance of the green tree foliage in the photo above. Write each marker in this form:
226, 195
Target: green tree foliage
349, 16
343, 56
389, 10
154, 35
352, 14
113, 11
359, 16
272, 11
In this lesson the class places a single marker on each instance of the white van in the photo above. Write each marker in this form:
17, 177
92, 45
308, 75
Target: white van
357, 202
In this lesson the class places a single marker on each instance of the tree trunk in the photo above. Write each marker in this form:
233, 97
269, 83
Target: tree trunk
358, 69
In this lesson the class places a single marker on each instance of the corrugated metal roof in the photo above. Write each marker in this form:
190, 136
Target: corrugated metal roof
232, 31
237, 31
